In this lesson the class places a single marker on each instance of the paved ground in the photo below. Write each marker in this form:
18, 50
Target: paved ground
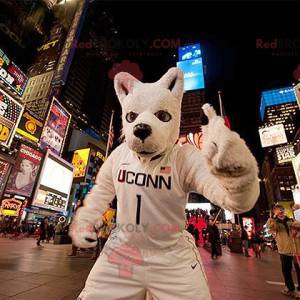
27, 272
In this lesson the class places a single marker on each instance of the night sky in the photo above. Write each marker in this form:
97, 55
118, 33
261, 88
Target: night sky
228, 34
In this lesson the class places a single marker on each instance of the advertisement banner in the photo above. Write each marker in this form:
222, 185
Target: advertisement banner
24, 173
80, 161
10, 207
4, 169
10, 114
272, 135
297, 92
56, 127
30, 126
12, 75
296, 166
285, 154
54, 186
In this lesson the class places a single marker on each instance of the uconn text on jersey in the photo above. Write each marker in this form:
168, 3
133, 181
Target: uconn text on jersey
142, 179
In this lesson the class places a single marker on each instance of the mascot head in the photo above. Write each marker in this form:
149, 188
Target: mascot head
150, 112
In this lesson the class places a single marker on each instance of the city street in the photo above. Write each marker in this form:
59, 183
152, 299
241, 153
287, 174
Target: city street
28, 272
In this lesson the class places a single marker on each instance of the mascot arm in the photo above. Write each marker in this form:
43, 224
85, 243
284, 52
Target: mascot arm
88, 218
224, 171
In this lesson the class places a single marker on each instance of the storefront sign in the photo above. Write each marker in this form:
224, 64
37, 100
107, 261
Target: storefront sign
10, 114
23, 176
56, 127
30, 126
11, 74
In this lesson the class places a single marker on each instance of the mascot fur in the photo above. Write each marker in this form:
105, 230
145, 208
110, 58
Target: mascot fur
150, 175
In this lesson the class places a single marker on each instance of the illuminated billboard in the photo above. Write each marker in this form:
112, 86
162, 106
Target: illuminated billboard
54, 186
24, 173
4, 169
296, 166
11, 75
10, 115
189, 52
80, 161
10, 207
285, 153
273, 135
276, 97
193, 73
30, 126
56, 127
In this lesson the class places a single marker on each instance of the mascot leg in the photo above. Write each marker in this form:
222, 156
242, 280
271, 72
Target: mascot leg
179, 273
112, 278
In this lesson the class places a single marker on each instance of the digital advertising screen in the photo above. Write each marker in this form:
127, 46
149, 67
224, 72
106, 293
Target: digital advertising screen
24, 173
189, 52
193, 73
56, 127
10, 115
80, 161
273, 135
296, 166
53, 189
30, 126
11, 74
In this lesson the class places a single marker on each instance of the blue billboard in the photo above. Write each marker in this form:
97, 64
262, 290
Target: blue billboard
193, 73
276, 97
189, 52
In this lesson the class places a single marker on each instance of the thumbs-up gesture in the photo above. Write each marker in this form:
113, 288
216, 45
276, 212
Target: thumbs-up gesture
223, 148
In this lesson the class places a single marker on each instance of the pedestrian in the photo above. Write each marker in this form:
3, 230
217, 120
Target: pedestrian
74, 248
44, 231
214, 238
288, 247
245, 239
256, 243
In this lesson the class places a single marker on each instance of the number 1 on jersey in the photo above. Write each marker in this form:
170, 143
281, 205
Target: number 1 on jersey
138, 209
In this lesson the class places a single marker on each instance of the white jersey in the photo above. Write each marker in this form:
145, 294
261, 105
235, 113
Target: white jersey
151, 204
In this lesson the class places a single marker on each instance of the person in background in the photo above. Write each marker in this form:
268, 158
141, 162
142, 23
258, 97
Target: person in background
44, 231
214, 238
104, 231
288, 247
245, 239
74, 248
256, 243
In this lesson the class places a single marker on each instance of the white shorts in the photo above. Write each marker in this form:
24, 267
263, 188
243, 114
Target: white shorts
123, 272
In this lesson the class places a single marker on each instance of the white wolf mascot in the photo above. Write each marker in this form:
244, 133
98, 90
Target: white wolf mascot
151, 175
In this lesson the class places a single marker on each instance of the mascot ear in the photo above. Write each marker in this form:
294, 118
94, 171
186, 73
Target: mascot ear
124, 84
173, 80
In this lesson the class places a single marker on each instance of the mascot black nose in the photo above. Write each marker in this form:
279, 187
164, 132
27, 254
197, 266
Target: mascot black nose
142, 131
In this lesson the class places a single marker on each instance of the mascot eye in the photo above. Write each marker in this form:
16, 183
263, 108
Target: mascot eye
163, 116
130, 117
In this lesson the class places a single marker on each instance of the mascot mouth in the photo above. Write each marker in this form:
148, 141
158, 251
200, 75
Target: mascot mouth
145, 152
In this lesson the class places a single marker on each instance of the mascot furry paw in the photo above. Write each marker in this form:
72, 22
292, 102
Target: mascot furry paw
151, 175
